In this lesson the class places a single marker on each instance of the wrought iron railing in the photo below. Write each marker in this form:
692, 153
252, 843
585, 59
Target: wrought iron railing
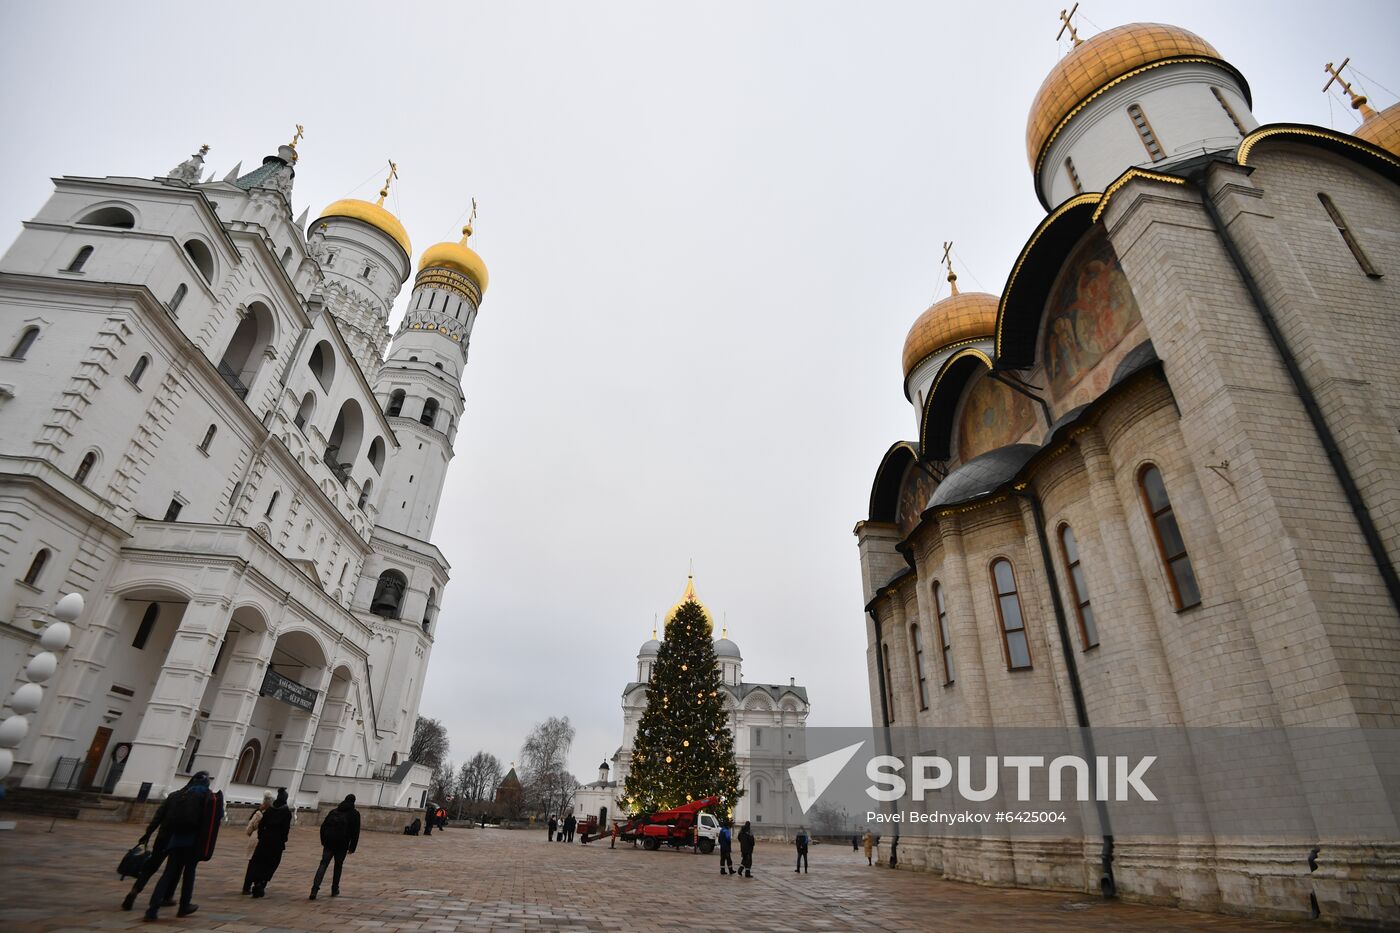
65, 774
234, 383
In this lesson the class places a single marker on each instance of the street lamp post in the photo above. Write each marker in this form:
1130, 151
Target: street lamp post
29, 695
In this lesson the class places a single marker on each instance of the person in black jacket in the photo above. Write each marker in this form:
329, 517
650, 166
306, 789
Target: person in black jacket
553, 827
746, 851
429, 818
570, 824
802, 840
273, 828
340, 835
158, 852
192, 820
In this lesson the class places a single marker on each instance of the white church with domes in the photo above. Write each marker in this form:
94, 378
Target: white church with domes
207, 430
769, 724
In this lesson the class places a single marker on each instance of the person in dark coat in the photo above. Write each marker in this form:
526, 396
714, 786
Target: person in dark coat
553, 827
340, 835
802, 841
429, 818
726, 851
193, 819
158, 852
746, 850
570, 823
273, 828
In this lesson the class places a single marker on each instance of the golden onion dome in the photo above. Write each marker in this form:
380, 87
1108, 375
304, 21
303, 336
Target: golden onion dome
961, 317
1382, 130
689, 596
458, 257
1094, 64
373, 214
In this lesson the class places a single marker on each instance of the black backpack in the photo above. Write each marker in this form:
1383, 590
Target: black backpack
335, 830
186, 808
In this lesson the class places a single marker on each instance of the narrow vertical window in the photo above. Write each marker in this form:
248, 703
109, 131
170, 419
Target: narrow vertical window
945, 643
1230, 111
172, 511
919, 665
25, 341
36, 566
1171, 547
208, 438
889, 682
148, 622
1078, 589
1362, 259
1073, 176
79, 260
139, 370
84, 468
1144, 130
178, 297
272, 503
1013, 625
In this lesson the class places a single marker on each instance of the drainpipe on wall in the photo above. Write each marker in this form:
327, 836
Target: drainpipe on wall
1305, 394
1081, 710
884, 717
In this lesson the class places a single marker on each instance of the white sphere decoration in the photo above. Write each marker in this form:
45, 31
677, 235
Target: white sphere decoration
27, 699
69, 607
55, 637
7, 761
41, 667
13, 731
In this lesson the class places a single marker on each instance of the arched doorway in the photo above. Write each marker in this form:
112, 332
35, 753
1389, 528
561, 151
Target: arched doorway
248, 761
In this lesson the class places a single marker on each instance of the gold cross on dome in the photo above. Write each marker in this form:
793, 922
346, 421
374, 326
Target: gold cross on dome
1065, 17
296, 137
393, 173
947, 261
1358, 101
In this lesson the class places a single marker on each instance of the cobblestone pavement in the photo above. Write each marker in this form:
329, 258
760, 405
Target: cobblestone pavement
471, 880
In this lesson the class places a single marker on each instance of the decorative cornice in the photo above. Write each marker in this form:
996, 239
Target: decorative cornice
1130, 175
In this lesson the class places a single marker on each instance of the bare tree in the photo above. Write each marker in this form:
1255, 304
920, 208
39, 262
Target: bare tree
444, 783
429, 742
478, 779
544, 757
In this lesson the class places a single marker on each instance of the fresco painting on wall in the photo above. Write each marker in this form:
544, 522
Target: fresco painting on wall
914, 493
992, 416
1091, 308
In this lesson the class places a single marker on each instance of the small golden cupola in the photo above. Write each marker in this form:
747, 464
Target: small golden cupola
961, 319
375, 215
1132, 95
458, 257
1382, 129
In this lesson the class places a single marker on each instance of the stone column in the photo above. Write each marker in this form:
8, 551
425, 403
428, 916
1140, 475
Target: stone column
232, 710
175, 699
289, 767
328, 746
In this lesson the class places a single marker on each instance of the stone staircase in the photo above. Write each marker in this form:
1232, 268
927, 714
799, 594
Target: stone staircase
64, 804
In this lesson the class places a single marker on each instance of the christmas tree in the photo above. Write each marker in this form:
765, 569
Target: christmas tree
684, 749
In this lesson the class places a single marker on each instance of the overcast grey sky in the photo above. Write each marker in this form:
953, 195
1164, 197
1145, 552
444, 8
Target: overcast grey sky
709, 227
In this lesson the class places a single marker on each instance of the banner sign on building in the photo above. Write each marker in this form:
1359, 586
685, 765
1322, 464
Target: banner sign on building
288, 691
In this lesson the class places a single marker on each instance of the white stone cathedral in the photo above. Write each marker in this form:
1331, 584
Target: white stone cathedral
769, 723
200, 432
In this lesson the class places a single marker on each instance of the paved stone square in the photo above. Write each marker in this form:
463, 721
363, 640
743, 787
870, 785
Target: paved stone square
472, 879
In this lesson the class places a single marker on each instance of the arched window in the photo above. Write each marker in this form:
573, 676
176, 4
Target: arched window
1348, 237
438, 365
245, 352
1144, 130
1073, 176
305, 410
1171, 547
247, 763
1013, 625
139, 370
344, 443
322, 364
376, 454
945, 643
1230, 111
395, 403
201, 257
758, 792
272, 503
1078, 589
918, 641
148, 622
118, 217
430, 410
36, 566
344, 568
889, 681
208, 438
85, 467
430, 610
388, 594
180, 291
287, 259
365, 490
25, 341
80, 260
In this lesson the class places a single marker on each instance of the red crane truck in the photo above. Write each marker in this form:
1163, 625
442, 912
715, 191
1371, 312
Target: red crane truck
678, 827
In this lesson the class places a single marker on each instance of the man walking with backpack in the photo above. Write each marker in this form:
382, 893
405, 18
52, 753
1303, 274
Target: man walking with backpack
191, 821
340, 834
802, 841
